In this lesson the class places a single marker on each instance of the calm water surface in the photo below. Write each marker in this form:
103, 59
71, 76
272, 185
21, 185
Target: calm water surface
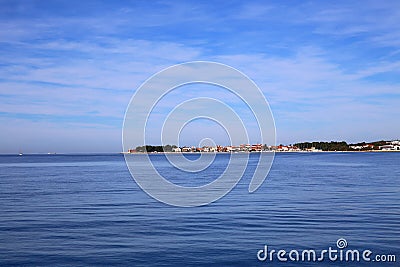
72, 210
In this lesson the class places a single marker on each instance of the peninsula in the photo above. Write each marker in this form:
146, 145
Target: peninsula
382, 145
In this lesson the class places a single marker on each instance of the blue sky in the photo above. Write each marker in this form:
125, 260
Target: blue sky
330, 70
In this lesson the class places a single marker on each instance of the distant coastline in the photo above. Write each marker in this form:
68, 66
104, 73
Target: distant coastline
267, 151
333, 146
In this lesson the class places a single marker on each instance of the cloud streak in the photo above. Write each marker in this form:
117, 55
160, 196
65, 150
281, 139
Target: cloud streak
327, 69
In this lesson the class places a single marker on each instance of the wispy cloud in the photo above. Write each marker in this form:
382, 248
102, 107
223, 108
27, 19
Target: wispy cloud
326, 68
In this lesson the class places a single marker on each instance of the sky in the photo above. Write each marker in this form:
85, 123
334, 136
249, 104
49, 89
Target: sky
330, 70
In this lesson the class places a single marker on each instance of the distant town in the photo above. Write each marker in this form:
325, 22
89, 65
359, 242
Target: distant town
298, 147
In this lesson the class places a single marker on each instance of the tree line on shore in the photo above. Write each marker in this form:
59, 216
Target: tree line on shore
150, 148
339, 146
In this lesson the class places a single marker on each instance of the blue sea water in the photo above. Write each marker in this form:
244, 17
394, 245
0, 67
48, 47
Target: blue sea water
86, 210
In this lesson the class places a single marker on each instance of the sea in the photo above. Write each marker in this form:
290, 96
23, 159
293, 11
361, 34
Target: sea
87, 210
